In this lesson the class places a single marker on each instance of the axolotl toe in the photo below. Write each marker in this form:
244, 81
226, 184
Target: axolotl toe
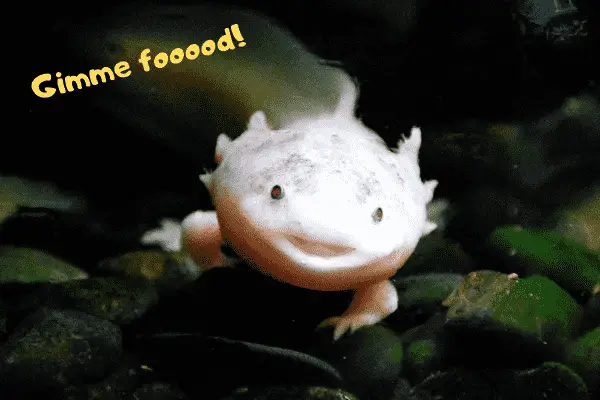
321, 203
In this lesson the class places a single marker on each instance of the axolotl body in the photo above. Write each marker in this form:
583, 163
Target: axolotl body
321, 203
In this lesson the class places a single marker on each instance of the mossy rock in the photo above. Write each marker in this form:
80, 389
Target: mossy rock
573, 266
117, 299
512, 322
26, 265
584, 356
534, 305
170, 271
422, 358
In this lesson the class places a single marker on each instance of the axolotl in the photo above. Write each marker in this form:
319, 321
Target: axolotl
321, 203
307, 193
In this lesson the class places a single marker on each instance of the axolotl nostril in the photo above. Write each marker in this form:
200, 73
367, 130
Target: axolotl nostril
321, 203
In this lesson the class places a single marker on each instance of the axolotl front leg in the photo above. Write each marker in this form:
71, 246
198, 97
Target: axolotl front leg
371, 304
198, 235
201, 238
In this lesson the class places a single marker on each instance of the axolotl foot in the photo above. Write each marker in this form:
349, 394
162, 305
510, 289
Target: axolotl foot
198, 235
201, 238
371, 304
167, 237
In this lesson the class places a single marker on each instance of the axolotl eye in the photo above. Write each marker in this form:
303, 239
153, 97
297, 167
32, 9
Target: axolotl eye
277, 192
378, 215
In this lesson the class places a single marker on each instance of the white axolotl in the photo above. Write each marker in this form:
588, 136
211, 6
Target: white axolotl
321, 203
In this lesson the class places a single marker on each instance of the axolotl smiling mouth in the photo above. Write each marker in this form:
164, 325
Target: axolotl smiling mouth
317, 248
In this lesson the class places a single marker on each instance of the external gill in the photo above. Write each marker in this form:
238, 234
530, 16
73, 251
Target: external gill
428, 189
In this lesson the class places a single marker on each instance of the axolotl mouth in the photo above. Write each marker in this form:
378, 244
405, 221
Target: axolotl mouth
317, 248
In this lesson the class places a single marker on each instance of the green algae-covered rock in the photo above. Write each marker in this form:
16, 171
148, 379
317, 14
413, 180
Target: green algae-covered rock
420, 351
535, 306
422, 358
21, 264
169, 270
118, 299
573, 266
517, 322
52, 349
581, 221
584, 356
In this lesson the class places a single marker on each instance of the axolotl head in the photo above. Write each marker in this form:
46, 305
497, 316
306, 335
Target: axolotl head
323, 204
